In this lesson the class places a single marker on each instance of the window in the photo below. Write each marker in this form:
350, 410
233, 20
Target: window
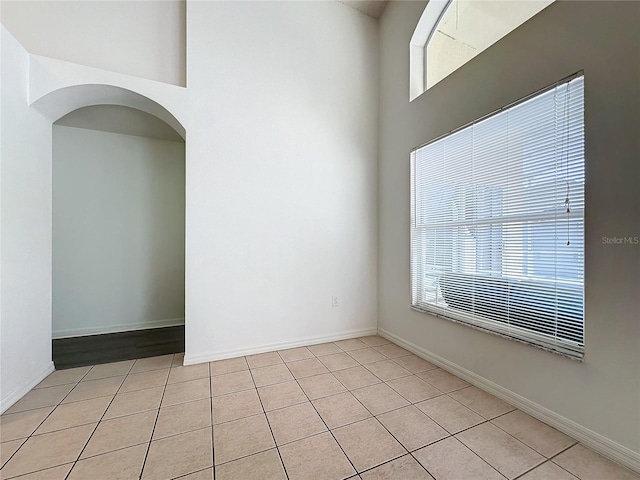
497, 221
452, 32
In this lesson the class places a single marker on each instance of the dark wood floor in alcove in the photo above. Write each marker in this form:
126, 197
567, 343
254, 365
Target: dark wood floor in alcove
113, 347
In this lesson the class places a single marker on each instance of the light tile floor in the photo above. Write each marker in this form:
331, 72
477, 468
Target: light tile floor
362, 408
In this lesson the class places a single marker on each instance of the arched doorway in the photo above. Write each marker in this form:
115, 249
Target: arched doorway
118, 223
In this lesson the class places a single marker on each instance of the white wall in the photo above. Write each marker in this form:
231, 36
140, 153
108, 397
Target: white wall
281, 175
25, 238
118, 232
603, 393
281, 178
119, 119
140, 38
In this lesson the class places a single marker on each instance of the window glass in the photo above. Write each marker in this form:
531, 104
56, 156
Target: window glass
469, 27
497, 227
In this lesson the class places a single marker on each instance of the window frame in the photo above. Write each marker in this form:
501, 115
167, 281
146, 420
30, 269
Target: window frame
425, 29
529, 337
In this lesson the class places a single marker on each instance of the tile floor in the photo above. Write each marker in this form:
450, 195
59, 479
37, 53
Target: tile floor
362, 408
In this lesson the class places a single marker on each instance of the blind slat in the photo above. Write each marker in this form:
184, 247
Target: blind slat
494, 241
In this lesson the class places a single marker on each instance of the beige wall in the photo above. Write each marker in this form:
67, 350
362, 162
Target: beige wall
603, 39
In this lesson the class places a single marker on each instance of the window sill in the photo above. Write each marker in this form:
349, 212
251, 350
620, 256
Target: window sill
558, 350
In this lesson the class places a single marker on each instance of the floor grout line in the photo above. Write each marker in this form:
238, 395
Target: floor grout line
325, 423
33, 433
146, 455
297, 380
531, 469
550, 459
374, 417
213, 450
284, 467
393, 460
410, 403
98, 423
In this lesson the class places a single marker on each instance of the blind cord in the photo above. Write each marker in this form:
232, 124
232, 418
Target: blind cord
567, 201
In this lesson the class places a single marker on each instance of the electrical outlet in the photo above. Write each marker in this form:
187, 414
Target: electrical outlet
334, 301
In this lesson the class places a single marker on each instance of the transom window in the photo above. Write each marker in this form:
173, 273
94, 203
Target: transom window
452, 32
497, 221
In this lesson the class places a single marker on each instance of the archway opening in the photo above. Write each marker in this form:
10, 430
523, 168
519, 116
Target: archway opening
118, 229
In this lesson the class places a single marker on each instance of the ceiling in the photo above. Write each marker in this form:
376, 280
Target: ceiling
373, 8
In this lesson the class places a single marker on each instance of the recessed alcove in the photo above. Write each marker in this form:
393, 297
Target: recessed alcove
118, 234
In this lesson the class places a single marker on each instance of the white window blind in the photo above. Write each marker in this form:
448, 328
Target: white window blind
497, 221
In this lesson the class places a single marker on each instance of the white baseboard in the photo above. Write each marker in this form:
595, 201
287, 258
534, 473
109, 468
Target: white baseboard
7, 401
124, 327
213, 356
616, 452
